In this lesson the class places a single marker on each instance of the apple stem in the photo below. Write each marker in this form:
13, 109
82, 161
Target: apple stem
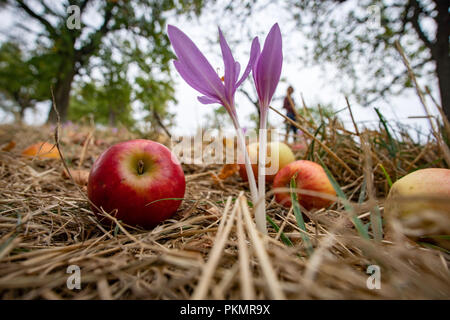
140, 167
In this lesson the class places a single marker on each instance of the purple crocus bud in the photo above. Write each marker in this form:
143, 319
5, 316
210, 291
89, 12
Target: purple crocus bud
195, 69
266, 75
267, 68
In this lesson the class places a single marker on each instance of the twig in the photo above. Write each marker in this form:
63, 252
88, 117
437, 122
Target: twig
202, 288
441, 111
328, 150
248, 292
353, 119
85, 146
444, 148
56, 135
266, 266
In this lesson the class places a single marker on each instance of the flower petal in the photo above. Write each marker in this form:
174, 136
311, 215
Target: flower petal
268, 66
189, 78
237, 70
194, 62
230, 69
254, 53
208, 100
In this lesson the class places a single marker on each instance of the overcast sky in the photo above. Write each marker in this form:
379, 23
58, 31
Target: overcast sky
315, 83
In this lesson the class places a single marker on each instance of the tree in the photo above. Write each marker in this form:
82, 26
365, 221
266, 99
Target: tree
71, 50
23, 81
108, 100
153, 91
253, 99
359, 36
218, 118
154, 97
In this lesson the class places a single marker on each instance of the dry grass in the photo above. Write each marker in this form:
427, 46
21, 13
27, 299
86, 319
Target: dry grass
210, 249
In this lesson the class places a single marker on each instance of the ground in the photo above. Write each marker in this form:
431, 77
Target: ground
210, 249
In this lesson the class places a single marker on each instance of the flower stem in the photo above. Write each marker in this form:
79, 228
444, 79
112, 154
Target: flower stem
248, 166
260, 215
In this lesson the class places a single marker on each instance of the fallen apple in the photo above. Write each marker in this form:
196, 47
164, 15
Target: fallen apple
420, 202
274, 148
141, 179
310, 176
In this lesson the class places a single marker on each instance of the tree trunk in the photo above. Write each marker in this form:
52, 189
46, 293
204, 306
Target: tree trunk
62, 97
112, 118
161, 124
442, 55
21, 115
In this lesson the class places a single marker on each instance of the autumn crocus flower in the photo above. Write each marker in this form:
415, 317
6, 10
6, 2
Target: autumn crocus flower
266, 75
267, 68
195, 69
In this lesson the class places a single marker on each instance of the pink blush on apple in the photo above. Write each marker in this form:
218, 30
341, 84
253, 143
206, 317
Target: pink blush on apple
138, 181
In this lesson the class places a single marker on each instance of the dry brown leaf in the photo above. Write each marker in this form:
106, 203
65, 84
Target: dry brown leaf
227, 171
9, 146
80, 177
42, 150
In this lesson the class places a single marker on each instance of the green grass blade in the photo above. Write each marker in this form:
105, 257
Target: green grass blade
283, 237
164, 199
356, 221
438, 237
432, 246
388, 177
116, 230
391, 147
310, 153
377, 223
299, 217
362, 194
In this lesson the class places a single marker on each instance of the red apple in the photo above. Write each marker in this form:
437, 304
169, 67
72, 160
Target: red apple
285, 156
310, 176
130, 176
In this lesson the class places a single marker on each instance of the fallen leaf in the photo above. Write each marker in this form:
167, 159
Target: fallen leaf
80, 177
227, 171
9, 146
42, 150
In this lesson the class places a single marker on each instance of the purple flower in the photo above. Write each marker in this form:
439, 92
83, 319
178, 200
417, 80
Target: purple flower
195, 69
267, 68
266, 75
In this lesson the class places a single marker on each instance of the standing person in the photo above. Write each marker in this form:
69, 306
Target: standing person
289, 105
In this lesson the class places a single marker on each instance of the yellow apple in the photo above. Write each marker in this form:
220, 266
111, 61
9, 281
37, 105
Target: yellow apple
420, 201
274, 149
